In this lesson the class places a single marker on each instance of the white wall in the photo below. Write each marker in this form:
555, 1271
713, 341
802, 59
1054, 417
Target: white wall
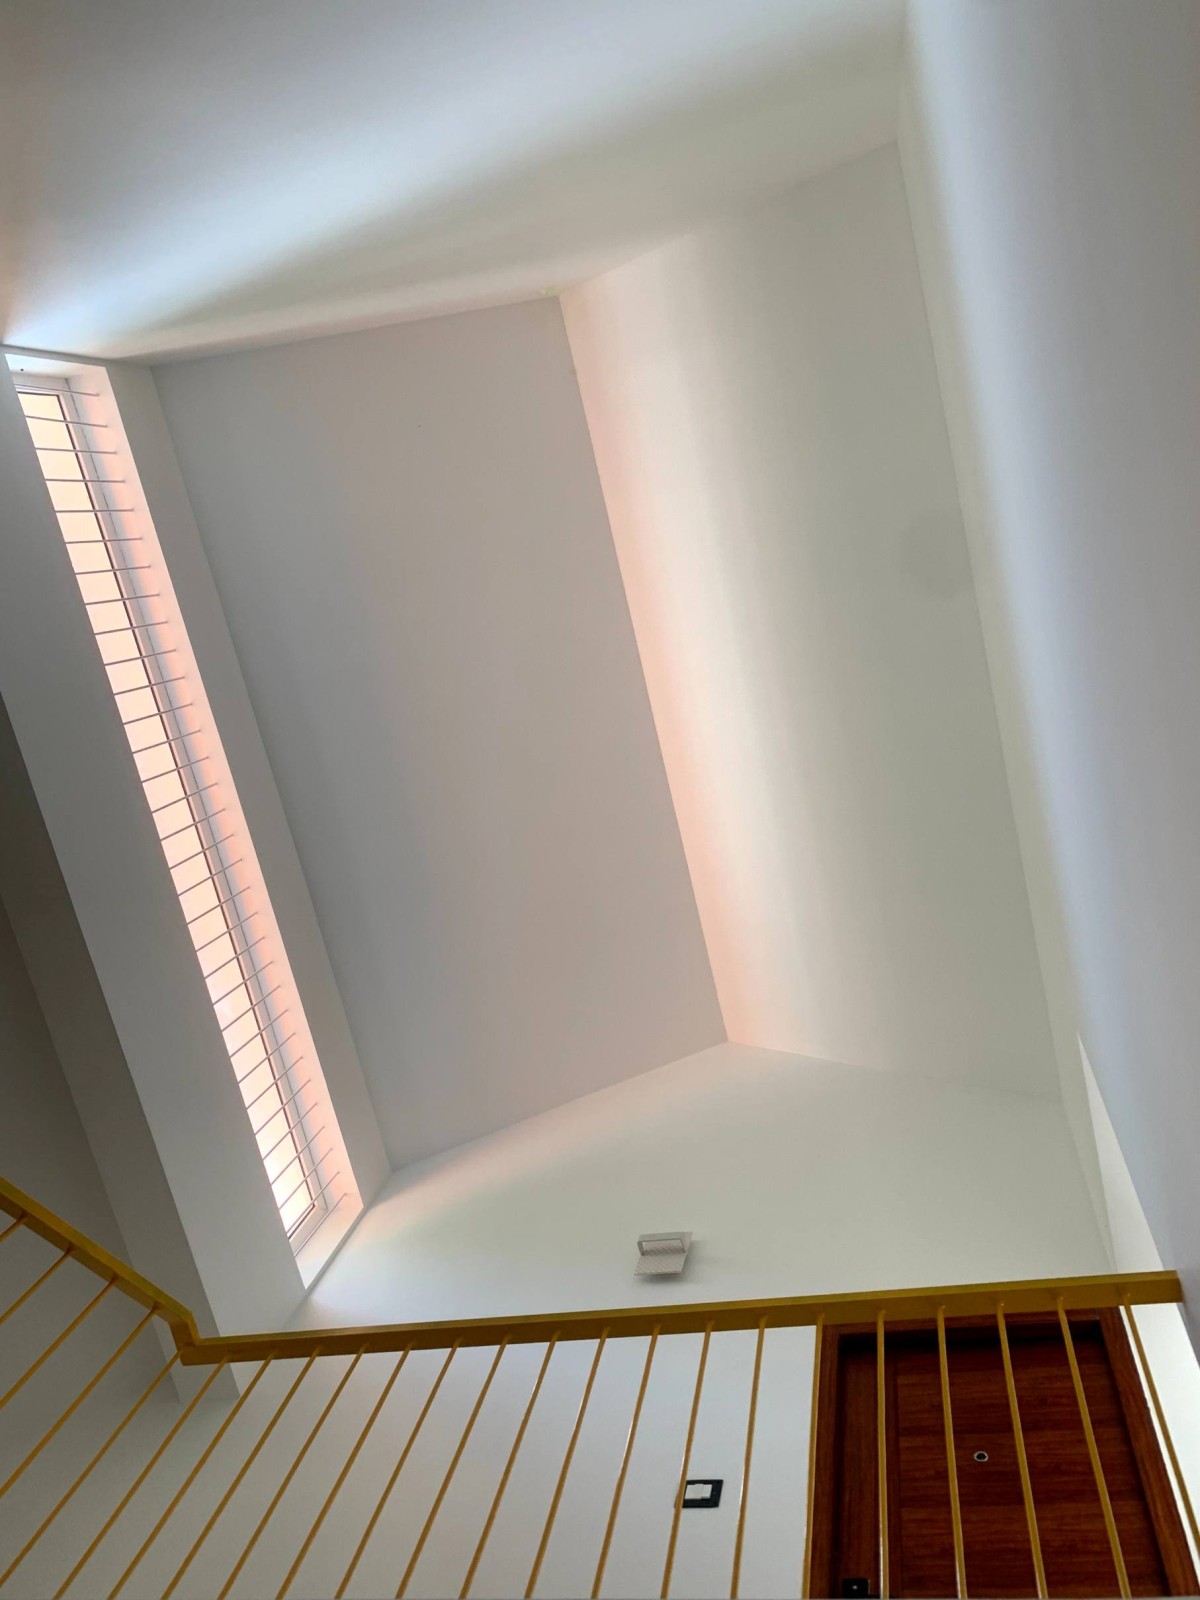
44, 1150
411, 550
89, 1063
797, 1176
1162, 1329
765, 412
1062, 144
774, 1530
353, 1159
1006, 670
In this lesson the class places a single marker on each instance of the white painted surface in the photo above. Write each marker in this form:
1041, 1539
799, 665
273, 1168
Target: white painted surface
1169, 1352
1000, 643
43, 1148
765, 412
411, 550
1064, 143
41, 1402
774, 1532
353, 1161
101, 1101
796, 1176
77, 758
294, 167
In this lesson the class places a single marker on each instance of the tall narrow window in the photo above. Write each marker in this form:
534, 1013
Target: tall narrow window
126, 590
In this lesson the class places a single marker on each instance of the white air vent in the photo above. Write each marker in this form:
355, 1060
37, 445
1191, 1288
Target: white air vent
662, 1255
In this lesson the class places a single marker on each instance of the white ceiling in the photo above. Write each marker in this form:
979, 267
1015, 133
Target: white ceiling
180, 174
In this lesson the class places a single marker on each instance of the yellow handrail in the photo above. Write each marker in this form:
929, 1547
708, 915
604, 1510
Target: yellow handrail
724, 1316
16, 1203
626, 1322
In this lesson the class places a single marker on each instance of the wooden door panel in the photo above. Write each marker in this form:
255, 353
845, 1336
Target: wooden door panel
856, 1490
1071, 1524
995, 1535
922, 1544
998, 1555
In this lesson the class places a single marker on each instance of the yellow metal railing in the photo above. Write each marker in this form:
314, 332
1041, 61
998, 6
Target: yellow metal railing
880, 1311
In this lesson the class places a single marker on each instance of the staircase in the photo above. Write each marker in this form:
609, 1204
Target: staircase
998, 1438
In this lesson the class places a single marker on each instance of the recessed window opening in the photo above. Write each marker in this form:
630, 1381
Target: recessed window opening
125, 589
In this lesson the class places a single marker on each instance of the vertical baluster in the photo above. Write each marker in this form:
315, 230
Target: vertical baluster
507, 1473
56, 1344
1110, 1522
450, 1471
195, 1472
87, 1471
37, 1283
881, 1455
745, 1496
343, 1474
289, 1475
960, 1562
142, 1476
811, 1495
13, 1226
624, 1469
238, 1476
395, 1472
1035, 1543
566, 1467
74, 1405
1152, 1390
687, 1461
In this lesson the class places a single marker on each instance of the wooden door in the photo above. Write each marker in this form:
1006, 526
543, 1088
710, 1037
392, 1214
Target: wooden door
998, 1558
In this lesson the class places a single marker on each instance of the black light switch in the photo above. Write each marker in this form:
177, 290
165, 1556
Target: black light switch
702, 1494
